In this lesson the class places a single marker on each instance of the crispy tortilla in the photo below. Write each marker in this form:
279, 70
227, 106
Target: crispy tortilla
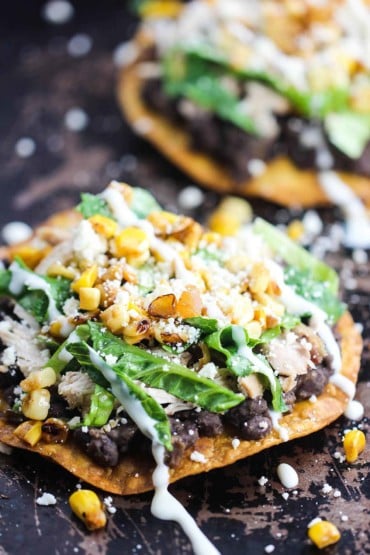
282, 182
133, 474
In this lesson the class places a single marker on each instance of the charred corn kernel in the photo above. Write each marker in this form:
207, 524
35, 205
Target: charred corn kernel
353, 443
260, 316
29, 431
86, 279
136, 331
89, 298
323, 534
230, 215
30, 255
55, 328
56, 270
36, 404
163, 221
39, 379
211, 237
295, 230
160, 8
254, 329
138, 259
237, 263
103, 225
259, 278
115, 317
130, 242
87, 506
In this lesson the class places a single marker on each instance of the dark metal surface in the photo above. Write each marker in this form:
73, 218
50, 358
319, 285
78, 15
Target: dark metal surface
40, 82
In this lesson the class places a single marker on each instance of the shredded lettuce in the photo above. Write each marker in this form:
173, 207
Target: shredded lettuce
239, 364
101, 406
143, 202
205, 325
126, 385
349, 132
91, 205
194, 79
35, 300
296, 256
317, 292
157, 372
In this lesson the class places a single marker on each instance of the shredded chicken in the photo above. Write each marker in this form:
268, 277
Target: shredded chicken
21, 338
250, 386
76, 388
289, 355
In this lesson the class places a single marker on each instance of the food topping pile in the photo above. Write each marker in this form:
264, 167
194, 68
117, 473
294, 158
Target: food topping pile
139, 319
252, 80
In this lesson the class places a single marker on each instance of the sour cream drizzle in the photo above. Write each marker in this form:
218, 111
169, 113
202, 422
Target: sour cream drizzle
164, 505
357, 225
22, 278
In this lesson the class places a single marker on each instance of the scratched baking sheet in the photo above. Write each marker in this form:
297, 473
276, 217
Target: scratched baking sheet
42, 80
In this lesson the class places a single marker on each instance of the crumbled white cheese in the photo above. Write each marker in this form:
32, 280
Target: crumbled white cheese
314, 521
25, 147
46, 499
79, 45
326, 489
108, 504
256, 167
285, 495
336, 493
76, 119
235, 442
209, 370
9, 356
196, 456
262, 481
111, 359
88, 245
269, 548
339, 456
58, 11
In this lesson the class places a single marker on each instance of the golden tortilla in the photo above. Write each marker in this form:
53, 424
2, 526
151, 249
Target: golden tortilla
133, 474
282, 182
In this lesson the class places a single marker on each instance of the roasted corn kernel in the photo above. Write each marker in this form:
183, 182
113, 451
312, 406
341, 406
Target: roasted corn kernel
323, 534
104, 226
89, 298
131, 240
39, 379
230, 215
30, 255
115, 317
353, 443
57, 269
160, 8
36, 404
29, 431
86, 279
295, 230
87, 506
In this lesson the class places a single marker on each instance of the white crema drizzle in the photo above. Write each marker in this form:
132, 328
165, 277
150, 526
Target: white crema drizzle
22, 278
164, 505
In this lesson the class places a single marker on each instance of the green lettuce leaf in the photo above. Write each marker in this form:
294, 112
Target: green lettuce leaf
205, 325
35, 300
143, 203
242, 362
126, 391
196, 80
163, 374
317, 292
92, 205
102, 404
349, 132
296, 256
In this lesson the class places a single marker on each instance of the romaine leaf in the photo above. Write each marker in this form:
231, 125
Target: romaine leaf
143, 202
316, 292
102, 404
288, 322
163, 374
205, 325
307, 103
132, 397
296, 256
233, 342
91, 205
194, 79
61, 358
38, 293
349, 132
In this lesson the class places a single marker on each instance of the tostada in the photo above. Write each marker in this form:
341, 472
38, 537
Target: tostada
255, 97
133, 338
